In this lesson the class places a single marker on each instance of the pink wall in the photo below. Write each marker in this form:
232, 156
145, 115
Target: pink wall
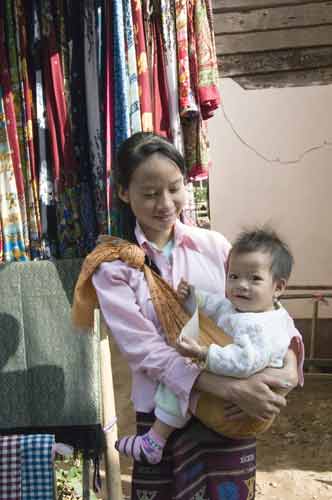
254, 128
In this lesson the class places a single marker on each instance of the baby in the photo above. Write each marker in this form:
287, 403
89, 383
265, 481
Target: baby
259, 267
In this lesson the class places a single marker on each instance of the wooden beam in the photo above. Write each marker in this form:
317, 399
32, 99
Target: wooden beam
274, 40
233, 65
220, 6
112, 460
274, 18
320, 362
300, 78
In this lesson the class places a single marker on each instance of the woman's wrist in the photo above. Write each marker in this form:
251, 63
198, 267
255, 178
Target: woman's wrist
219, 386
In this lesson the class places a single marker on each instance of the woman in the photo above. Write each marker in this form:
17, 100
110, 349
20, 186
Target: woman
197, 463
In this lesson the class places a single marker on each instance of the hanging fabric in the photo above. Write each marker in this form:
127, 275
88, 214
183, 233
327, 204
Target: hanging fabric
207, 68
91, 78
134, 103
12, 238
65, 167
22, 92
46, 185
84, 154
142, 67
78, 78
14, 225
167, 14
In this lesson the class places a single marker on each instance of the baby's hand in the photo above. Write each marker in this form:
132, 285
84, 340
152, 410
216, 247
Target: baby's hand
190, 348
183, 289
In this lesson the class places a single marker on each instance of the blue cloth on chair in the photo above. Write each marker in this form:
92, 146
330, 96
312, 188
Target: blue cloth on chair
37, 467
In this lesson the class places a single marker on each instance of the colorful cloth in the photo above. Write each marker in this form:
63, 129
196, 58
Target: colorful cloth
46, 184
65, 167
197, 465
12, 233
28, 132
88, 151
121, 99
161, 121
93, 112
12, 141
76, 89
188, 106
134, 110
37, 467
207, 67
142, 67
20, 86
168, 31
10, 468
196, 146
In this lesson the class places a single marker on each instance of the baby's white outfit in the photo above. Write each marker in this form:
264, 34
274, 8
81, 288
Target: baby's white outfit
260, 339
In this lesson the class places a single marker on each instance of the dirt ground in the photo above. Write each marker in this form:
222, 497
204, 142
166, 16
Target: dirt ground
294, 458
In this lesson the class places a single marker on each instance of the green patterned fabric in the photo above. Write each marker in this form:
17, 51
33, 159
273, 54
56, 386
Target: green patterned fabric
49, 375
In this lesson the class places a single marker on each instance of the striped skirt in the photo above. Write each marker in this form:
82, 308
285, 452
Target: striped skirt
197, 464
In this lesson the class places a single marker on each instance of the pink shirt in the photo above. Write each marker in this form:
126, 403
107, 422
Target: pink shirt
199, 256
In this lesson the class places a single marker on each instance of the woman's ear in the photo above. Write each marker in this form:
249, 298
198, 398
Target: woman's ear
280, 287
123, 194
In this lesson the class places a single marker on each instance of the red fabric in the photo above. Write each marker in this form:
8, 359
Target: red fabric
161, 121
64, 162
209, 98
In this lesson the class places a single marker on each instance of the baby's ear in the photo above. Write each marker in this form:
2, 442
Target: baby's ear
280, 287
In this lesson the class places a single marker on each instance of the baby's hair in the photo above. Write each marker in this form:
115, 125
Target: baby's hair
266, 240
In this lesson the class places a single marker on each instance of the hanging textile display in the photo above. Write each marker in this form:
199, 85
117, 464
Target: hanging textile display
78, 78
14, 226
12, 238
133, 95
142, 67
94, 122
46, 186
168, 27
21, 88
86, 138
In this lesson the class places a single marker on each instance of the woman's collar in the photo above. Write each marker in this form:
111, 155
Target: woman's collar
181, 236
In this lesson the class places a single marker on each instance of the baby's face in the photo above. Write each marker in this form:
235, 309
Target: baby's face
250, 285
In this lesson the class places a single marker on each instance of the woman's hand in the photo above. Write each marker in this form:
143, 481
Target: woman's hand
288, 373
256, 397
288, 376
